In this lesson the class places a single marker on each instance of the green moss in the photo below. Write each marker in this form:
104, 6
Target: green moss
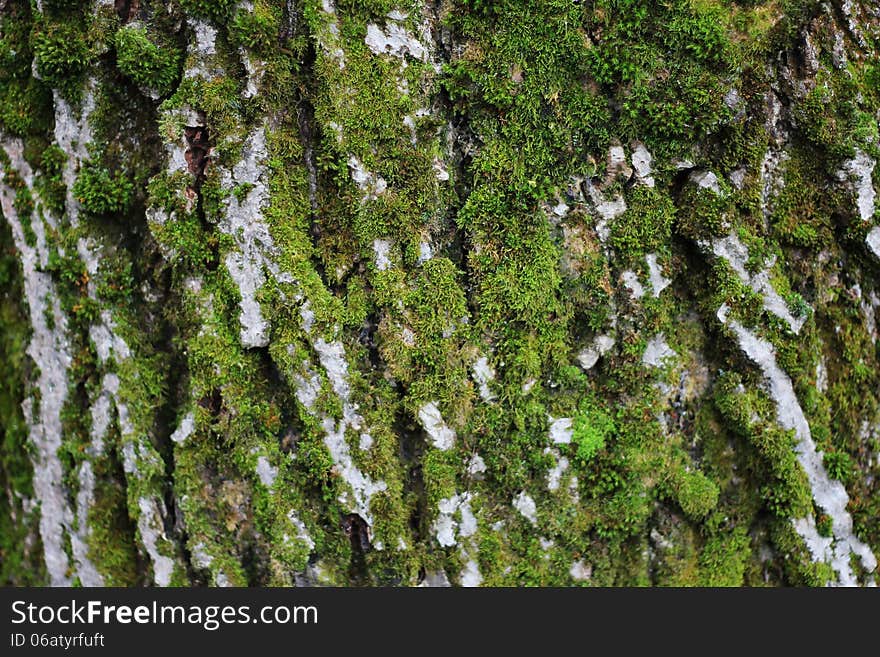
696, 493
829, 116
646, 224
734, 403
111, 533
590, 292
665, 65
62, 54
23, 203
50, 183
146, 60
63, 7
101, 192
25, 102
218, 99
839, 466
724, 557
803, 210
787, 492
216, 10
439, 472
799, 568
590, 430
702, 213
825, 525
257, 29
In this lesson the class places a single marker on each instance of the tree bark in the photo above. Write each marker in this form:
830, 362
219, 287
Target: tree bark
523, 292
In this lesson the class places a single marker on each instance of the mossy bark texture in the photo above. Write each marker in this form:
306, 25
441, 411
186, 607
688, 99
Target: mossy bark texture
432, 292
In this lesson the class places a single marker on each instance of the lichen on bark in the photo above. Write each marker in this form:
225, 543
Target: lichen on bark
431, 292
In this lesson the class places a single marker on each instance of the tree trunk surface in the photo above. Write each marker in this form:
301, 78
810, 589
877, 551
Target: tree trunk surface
442, 292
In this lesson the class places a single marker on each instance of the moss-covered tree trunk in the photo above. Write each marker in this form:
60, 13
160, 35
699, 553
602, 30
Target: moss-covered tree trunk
375, 292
